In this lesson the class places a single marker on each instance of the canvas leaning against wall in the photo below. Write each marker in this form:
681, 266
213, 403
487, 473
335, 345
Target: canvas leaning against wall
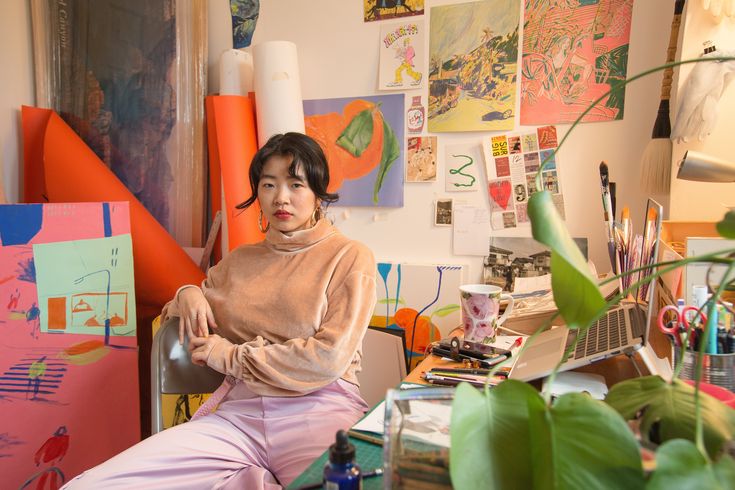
473, 53
422, 300
573, 53
363, 140
69, 356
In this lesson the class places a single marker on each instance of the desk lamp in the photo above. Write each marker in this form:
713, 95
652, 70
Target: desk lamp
704, 168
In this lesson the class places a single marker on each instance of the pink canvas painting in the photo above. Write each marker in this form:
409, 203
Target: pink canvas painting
573, 53
69, 398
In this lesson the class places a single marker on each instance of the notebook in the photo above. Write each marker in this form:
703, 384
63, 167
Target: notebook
622, 329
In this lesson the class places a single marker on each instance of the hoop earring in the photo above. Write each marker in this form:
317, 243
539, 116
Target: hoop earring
260, 223
316, 215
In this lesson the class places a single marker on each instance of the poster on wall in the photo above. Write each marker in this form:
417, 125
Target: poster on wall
512, 163
473, 53
391, 9
574, 52
402, 56
363, 139
244, 19
421, 159
462, 166
422, 300
69, 357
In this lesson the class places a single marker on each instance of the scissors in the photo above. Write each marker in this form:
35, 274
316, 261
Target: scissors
679, 326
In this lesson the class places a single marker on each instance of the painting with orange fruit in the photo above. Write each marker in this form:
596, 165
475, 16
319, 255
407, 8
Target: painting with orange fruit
422, 300
362, 138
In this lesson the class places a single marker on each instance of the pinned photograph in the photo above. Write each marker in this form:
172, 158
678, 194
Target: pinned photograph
443, 212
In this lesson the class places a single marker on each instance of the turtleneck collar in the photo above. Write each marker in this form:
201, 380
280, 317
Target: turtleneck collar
299, 240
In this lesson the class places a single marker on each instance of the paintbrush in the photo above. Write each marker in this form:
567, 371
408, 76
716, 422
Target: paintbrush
608, 213
656, 160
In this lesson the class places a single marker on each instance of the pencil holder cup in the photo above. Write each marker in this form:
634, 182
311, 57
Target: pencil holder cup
717, 369
480, 309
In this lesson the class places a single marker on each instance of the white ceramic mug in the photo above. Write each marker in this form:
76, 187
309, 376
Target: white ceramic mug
480, 308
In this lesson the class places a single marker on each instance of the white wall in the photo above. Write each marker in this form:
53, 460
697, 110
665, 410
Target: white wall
338, 57
16, 89
691, 201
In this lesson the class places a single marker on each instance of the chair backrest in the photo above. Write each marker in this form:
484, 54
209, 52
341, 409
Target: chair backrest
172, 371
383, 363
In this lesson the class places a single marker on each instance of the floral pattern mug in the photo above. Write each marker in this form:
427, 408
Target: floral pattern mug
480, 308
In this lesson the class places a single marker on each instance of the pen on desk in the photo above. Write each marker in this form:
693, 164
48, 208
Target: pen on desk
367, 474
607, 211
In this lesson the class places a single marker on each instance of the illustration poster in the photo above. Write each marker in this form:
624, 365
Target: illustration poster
421, 159
422, 300
574, 52
363, 140
244, 19
402, 56
63, 378
511, 163
462, 161
391, 9
473, 52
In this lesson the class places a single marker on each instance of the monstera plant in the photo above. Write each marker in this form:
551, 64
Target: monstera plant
512, 436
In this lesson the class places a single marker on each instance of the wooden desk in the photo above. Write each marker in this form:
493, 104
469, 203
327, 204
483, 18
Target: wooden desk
614, 369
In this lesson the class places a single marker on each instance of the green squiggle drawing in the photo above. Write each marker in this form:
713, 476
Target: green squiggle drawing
455, 171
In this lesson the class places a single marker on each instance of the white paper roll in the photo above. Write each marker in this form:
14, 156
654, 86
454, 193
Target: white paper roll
235, 72
278, 104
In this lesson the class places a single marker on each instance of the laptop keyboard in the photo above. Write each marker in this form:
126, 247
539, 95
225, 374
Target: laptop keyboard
605, 334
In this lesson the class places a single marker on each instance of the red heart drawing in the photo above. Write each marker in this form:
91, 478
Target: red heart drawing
500, 192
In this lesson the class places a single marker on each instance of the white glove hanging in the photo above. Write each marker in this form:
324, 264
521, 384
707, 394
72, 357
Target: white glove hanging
697, 101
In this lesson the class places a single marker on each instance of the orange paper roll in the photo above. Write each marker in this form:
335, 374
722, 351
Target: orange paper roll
232, 138
34, 128
73, 173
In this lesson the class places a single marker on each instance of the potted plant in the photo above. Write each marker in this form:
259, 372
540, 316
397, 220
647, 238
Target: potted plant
515, 437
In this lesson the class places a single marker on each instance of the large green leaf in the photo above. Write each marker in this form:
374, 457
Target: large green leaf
672, 406
680, 465
358, 134
580, 442
490, 437
575, 290
726, 227
391, 151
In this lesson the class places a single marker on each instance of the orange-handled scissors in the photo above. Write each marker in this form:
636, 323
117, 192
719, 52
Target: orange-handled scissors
679, 326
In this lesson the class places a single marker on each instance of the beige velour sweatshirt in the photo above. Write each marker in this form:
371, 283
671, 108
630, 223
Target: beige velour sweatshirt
293, 310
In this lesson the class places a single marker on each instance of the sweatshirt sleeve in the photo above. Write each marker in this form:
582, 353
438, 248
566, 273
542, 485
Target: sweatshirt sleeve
299, 365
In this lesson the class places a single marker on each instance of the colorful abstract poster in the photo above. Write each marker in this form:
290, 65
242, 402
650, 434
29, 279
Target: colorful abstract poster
473, 52
244, 19
461, 163
390, 9
511, 163
363, 140
422, 300
87, 286
574, 52
421, 159
402, 62
69, 400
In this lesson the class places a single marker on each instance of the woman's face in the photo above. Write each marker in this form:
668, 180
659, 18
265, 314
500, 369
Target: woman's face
287, 202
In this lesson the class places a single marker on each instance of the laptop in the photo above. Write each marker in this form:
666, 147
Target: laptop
623, 329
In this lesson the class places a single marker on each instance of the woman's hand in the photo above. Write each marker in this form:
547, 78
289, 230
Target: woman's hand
195, 314
203, 353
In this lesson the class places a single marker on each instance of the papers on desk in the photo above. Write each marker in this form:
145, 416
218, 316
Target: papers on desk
374, 421
428, 422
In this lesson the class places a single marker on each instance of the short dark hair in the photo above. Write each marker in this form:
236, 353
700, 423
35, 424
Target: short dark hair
305, 153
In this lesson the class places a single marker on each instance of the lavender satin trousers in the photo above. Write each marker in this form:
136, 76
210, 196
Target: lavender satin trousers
250, 442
